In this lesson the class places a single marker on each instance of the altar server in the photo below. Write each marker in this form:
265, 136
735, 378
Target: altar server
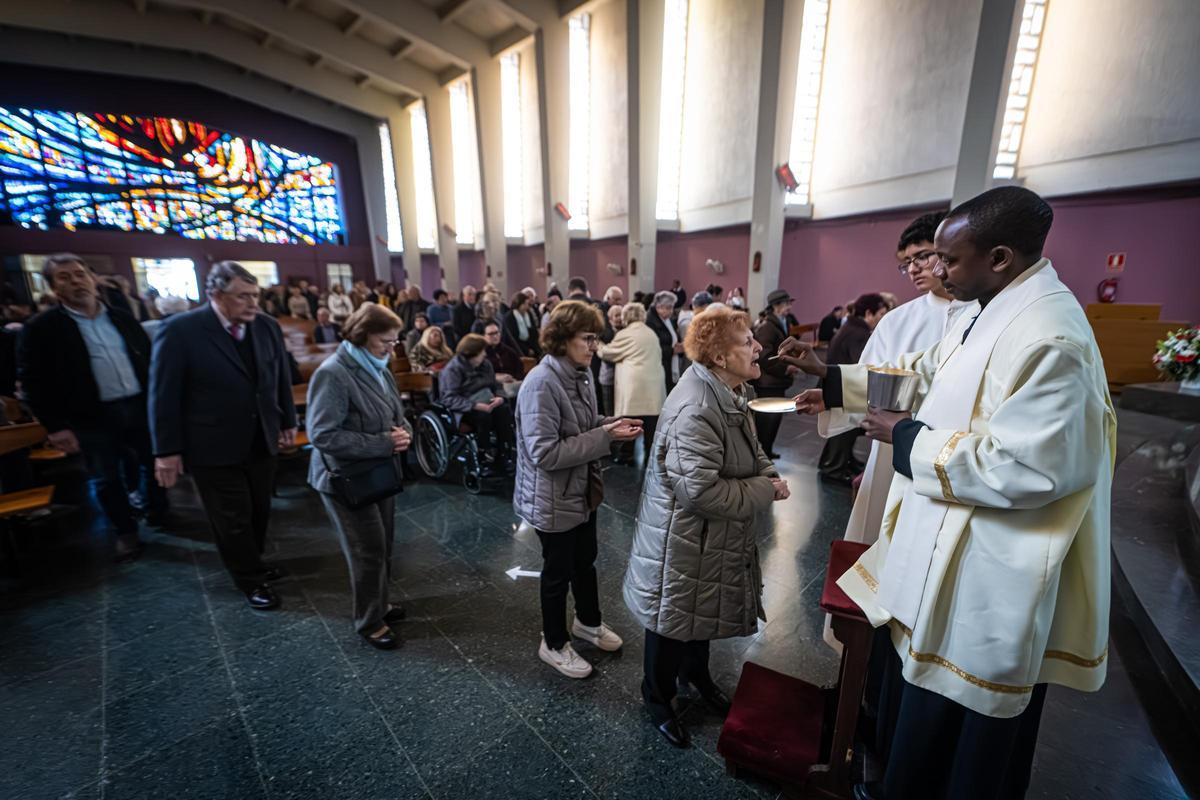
992, 567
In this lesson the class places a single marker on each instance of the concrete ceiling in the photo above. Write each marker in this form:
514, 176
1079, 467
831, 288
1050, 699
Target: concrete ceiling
367, 55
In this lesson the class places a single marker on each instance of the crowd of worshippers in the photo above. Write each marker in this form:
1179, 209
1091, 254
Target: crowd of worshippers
986, 511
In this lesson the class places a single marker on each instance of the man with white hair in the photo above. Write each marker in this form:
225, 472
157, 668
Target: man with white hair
663, 324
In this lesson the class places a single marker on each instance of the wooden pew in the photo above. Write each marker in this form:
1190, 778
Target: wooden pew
1127, 347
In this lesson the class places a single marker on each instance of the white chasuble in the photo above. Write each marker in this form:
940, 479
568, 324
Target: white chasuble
992, 565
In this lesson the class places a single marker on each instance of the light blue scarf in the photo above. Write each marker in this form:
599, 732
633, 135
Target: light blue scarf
374, 365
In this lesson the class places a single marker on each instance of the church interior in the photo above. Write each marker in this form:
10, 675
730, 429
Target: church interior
599, 399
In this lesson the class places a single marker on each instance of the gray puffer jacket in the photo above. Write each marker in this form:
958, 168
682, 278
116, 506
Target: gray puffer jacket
693, 573
558, 434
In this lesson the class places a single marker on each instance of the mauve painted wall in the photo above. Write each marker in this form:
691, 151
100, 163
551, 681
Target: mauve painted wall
590, 260
38, 87
826, 263
524, 261
431, 274
472, 267
681, 256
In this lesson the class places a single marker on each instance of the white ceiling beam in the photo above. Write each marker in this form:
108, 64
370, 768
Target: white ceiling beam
420, 24
455, 9
510, 38
529, 14
310, 33
117, 21
355, 26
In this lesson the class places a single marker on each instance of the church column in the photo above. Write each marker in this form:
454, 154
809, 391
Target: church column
400, 127
644, 24
776, 97
489, 136
370, 159
995, 44
553, 79
441, 149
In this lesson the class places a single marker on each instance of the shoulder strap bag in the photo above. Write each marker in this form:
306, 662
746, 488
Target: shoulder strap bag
365, 482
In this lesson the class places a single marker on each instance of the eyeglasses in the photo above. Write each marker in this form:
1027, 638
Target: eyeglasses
922, 260
590, 339
390, 342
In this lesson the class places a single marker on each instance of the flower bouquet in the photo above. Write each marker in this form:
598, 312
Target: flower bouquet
1178, 358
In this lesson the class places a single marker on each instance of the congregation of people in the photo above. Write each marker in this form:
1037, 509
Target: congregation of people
556, 388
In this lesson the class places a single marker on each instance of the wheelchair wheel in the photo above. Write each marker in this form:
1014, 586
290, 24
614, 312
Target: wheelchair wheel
433, 444
472, 482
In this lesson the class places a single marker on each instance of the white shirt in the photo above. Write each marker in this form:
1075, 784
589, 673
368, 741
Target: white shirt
674, 358
912, 326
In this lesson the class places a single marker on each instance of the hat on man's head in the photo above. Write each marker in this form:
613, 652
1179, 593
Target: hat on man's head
701, 299
778, 296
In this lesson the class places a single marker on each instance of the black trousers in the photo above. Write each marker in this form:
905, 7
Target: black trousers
498, 421
767, 425
936, 748
838, 454
237, 500
569, 563
668, 662
118, 455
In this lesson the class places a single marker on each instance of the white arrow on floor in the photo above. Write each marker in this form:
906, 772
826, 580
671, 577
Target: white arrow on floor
517, 572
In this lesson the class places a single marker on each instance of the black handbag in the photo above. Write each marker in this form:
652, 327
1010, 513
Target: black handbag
362, 483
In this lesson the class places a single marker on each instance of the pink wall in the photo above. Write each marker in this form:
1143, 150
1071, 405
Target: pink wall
828, 262
681, 256
524, 261
589, 260
431, 274
471, 270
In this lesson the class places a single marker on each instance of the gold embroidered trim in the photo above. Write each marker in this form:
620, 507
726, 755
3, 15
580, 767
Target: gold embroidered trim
868, 579
1078, 661
939, 464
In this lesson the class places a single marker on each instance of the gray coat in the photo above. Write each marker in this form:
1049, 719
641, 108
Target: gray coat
350, 416
459, 381
693, 573
558, 434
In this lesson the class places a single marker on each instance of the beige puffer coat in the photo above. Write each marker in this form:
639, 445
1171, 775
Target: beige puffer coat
693, 573
639, 384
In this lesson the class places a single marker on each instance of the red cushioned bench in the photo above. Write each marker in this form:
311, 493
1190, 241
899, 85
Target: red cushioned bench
793, 732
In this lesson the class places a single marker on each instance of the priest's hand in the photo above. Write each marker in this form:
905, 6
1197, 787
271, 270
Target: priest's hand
879, 423
800, 354
810, 401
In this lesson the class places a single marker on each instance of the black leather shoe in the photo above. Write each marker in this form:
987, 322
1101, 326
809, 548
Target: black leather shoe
674, 732
867, 791
274, 574
717, 700
261, 598
386, 641
396, 614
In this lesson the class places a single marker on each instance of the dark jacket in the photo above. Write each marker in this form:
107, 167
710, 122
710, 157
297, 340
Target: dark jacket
849, 341
828, 327
463, 317
408, 310
204, 402
510, 331
770, 334
506, 360
459, 382
55, 368
320, 337
656, 324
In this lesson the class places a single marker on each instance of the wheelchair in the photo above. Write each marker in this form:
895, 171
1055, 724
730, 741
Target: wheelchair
440, 443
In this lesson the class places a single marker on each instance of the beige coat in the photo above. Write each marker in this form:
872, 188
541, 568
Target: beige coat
639, 385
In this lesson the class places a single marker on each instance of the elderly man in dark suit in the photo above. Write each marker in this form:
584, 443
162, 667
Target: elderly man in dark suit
221, 404
83, 367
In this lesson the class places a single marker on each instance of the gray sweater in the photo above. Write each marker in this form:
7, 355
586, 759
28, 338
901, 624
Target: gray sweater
350, 417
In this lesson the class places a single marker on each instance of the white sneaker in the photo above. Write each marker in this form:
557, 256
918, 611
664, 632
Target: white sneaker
602, 636
566, 661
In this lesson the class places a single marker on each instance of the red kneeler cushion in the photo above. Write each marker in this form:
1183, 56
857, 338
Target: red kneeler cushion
842, 555
774, 727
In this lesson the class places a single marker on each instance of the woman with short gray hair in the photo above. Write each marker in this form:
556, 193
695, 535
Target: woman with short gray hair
661, 321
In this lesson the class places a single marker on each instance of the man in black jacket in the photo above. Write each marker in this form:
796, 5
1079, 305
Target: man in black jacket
776, 375
221, 404
83, 368
463, 313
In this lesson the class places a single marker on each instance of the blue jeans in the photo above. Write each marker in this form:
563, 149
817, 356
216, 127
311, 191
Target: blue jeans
116, 448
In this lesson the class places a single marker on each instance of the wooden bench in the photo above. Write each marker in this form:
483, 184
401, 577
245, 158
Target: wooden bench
528, 363
12, 506
46, 454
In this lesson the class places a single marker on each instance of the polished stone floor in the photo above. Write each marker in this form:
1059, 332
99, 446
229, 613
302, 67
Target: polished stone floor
154, 680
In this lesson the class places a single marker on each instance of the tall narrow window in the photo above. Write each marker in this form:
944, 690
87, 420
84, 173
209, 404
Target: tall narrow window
342, 274
512, 143
579, 175
1020, 87
391, 199
808, 98
670, 107
423, 179
467, 208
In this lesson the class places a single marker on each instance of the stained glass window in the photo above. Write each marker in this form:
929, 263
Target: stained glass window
73, 170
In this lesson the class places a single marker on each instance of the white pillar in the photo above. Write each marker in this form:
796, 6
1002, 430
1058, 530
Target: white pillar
489, 136
400, 124
644, 23
995, 44
370, 161
553, 72
441, 149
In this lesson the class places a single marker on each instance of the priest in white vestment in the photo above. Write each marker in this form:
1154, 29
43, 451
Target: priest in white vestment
991, 570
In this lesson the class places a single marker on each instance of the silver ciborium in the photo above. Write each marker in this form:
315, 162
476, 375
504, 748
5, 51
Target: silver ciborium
891, 389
